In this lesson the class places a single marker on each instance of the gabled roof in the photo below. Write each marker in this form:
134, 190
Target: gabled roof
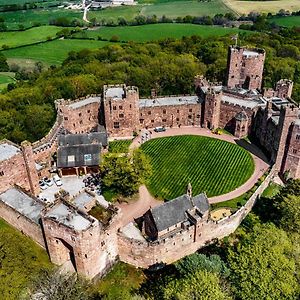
174, 211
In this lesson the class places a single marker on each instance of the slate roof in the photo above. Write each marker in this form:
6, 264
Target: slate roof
85, 148
174, 211
8, 150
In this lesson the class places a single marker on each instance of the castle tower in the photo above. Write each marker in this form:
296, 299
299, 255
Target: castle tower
212, 106
288, 115
241, 125
30, 166
189, 191
121, 110
245, 68
284, 88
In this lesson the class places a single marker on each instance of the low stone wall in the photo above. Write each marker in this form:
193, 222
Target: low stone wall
23, 224
184, 242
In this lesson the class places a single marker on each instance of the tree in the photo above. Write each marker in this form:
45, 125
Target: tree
125, 173
197, 286
262, 265
3, 63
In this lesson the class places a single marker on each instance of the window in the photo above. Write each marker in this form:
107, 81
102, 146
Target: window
152, 121
87, 158
71, 158
120, 107
177, 119
80, 122
89, 111
141, 121
190, 116
114, 108
149, 112
190, 110
294, 152
198, 116
164, 111
66, 118
178, 111
1, 173
116, 125
141, 114
164, 120
298, 137
130, 105
79, 114
232, 76
121, 115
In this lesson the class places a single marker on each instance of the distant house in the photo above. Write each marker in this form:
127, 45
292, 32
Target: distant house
80, 153
175, 215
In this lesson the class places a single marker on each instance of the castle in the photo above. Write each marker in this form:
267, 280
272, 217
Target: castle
84, 229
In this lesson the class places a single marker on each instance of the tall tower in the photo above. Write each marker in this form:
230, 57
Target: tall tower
212, 106
288, 116
121, 110
32, 174
241, 125
245, 67
284, 88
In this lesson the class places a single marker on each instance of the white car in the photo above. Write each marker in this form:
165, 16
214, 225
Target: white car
57, 180
42, 185
48, 181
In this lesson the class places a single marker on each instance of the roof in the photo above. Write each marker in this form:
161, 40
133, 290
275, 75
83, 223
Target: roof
82, 199
69, 217
115, 92
78, 155
174, 211
8, 150
245, 102
164, 101
84, 138
241, 116
84, 102
250, 53
22, 203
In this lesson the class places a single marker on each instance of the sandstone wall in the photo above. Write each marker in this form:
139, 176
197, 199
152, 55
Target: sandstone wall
23, 224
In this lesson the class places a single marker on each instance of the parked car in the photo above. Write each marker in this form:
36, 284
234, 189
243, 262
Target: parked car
57, 180
48, 181
42, 184
159, 129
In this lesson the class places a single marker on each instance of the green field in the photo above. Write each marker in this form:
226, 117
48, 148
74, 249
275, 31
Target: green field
6, 78
152, 32
27, 37
290, 21
53, 52
211, 165
119, 146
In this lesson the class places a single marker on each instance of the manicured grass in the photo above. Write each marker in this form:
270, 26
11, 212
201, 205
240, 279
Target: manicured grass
152, 32
184, 8
21, 260
119, 146
6, 78
120, 282
211, 165
245, 7
290, 21
53, 52
27, 37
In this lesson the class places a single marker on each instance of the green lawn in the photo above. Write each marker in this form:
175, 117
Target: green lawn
21, 259
183, 8
152, 32
290, 21
211, 165
53, 52
6, 78
120, 146
27, 37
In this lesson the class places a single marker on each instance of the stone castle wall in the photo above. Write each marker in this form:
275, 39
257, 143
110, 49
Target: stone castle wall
170, 116
23, 224
182, 243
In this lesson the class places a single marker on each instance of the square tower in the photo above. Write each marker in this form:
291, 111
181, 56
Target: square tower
121, 110
245, 68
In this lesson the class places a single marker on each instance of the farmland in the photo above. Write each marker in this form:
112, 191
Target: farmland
119, 146
151, 32
6, 78
245, 7
27, 37
290, 21
211, 165
52, 52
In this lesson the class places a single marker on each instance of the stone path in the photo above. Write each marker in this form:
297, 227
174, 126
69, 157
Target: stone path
260, 160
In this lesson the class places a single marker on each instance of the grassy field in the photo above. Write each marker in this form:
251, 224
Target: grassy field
27, 37
151, 32
6, 78
21, 259
53, 52
211, 165
120, 146
245, 7
290, 21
